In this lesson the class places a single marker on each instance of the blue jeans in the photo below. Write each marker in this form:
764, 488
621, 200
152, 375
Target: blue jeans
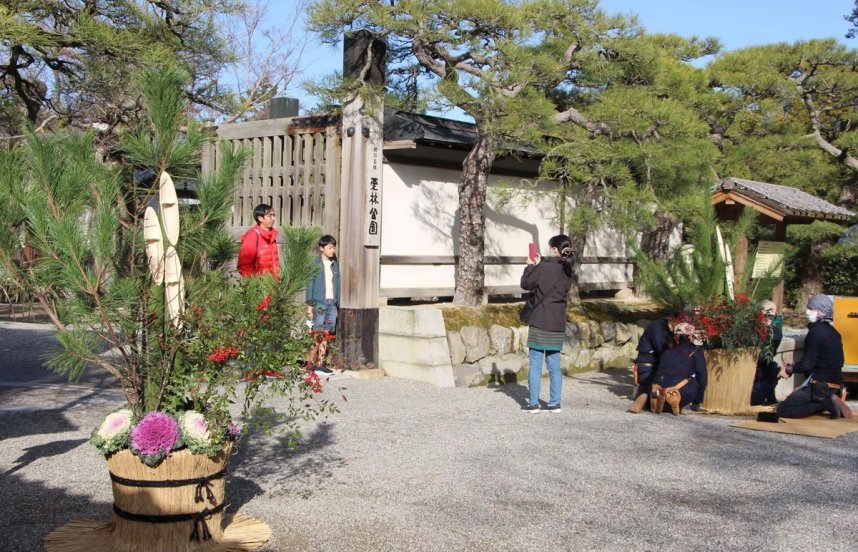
325, 316
534, 375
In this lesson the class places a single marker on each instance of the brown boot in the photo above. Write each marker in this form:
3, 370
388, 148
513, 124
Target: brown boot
656, 400
638, 404
672, 397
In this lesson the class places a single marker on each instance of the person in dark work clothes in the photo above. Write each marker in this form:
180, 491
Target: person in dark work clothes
822, 362
681, 368
766, 378
657, 337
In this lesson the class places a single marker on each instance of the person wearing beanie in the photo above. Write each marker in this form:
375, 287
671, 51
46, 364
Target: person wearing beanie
822, 363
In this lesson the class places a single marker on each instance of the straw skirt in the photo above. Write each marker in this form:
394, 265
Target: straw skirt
177, 505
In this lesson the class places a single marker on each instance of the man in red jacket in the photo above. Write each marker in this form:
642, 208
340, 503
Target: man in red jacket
258, 253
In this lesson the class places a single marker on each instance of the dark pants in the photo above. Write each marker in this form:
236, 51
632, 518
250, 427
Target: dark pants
763, 392
800, 405
646, 373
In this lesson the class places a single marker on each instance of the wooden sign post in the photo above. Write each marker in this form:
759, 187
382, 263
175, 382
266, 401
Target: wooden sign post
360, 202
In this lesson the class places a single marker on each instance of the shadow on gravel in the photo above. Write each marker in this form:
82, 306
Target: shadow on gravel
282, 470
511, 388
29, 510
55, 448
617, 381
20, 423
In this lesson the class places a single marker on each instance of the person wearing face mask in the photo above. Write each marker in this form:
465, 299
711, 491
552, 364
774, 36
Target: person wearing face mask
681, 377
822, 362
766, 378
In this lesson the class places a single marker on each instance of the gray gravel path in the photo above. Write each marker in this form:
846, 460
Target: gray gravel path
406, 466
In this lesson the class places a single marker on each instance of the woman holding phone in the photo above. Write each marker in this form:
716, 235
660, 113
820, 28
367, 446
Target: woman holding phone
549, 279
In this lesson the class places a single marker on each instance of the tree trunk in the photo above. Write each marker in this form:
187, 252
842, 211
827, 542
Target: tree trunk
470, 268
655, 243
848, 196
578, 243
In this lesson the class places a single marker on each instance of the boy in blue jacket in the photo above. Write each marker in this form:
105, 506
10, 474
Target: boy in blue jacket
323, 293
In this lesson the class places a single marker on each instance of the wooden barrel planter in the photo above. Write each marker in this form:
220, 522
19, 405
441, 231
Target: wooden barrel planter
177, 505
731, 379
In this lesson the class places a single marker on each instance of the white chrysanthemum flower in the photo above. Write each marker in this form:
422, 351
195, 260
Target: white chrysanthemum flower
195, 427
115, 424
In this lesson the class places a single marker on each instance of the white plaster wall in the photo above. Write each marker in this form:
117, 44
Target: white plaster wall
418, 219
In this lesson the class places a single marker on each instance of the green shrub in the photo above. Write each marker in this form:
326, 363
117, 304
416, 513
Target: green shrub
805, 244
841, 265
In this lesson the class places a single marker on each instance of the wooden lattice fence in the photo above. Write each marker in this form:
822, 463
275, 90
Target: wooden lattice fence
294, 167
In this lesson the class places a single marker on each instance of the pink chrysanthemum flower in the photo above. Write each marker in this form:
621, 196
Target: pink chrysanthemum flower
154, 437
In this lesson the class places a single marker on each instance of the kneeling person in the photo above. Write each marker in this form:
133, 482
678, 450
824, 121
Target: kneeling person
822, 362
681, 377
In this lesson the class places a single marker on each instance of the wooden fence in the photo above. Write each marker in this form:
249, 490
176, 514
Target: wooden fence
294, 166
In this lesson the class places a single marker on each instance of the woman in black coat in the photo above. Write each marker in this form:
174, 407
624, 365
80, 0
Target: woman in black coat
549, 279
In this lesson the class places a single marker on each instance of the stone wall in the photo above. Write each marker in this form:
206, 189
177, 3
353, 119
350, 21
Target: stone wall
499, 354
414, 344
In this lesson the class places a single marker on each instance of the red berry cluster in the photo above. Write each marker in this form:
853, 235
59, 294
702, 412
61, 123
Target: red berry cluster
222, 354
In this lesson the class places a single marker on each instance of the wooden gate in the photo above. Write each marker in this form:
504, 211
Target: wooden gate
294, 166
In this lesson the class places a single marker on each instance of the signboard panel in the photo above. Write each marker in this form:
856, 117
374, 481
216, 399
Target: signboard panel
769, 260
372, 225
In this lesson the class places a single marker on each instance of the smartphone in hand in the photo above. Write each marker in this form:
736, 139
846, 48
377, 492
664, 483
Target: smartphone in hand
531, 254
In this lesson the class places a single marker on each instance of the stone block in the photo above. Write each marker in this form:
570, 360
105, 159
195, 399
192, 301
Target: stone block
476, 342
516, 345
583, 333
610, 357
401, 348
609, 331
441, 376
498, 368
457, 348
522, 342
583, 360
622, 333
625, 294
467, 375
572, 342
411, 321
500, 339
596, 337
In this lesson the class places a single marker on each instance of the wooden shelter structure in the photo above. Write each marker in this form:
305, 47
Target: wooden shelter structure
778, 206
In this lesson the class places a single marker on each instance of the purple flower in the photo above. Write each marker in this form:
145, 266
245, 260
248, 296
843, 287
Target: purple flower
154, 437
234, 430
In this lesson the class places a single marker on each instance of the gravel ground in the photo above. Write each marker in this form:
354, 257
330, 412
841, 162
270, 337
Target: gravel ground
406, 466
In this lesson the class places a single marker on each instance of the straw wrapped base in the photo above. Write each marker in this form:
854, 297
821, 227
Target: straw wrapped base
731, 379
239, 533
176, 506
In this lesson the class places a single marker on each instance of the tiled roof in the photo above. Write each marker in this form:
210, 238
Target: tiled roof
790, 201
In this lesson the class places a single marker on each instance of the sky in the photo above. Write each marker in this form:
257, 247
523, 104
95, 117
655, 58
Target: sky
736, 23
